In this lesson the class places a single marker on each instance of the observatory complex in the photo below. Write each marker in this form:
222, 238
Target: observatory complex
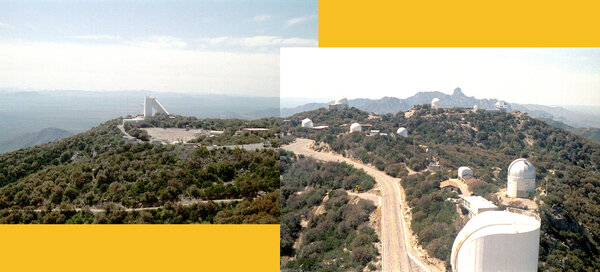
340, 104
435, 103
497, 241
521, 178
151, 105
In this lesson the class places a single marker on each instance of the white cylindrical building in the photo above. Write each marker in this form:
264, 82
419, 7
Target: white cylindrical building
402, 132
464, 171
355, 128
521, 178
307, 123
435, 103
475, 108
343, 101
497, 241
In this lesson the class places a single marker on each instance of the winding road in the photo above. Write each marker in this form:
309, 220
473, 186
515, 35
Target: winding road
396, 255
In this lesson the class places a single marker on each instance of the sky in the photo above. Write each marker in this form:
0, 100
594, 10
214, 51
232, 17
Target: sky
546, 76
219, 47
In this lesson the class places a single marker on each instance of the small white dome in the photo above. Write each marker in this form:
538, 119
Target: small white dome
475, 107
435, 103
307, 123
521, 169
356, 127
464, 171
402, 132
342, 101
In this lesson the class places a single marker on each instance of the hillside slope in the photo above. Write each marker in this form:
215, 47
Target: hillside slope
62, 182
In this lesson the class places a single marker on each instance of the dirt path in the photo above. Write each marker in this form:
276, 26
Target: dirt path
183, 203
396, 252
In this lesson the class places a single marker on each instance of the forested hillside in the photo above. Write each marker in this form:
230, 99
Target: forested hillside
567, 164
98, 171
322, 227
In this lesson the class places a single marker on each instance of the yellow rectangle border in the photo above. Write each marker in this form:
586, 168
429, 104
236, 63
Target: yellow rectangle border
139, 247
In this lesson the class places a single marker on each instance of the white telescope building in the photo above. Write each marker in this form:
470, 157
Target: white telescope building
356, 127
500, 105
402, 132
150, 104
497, 241
339, 104
307, 123
464, 172
521, 178
436, 103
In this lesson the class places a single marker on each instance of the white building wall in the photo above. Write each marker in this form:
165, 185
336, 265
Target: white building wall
497, 241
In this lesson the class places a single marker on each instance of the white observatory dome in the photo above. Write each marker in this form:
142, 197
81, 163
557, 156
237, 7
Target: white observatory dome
307, 123
402, 132
435, 103
464, 171
342, 101
521, 178
355, 127
498, 241
522, 169
475, 108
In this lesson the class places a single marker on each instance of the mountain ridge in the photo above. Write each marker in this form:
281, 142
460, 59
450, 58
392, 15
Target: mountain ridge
389, 104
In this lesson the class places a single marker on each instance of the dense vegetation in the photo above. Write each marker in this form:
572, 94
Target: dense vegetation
434, 220
568, 178
97, 169
336, 236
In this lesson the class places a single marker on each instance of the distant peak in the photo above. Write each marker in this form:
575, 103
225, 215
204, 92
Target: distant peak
458, 92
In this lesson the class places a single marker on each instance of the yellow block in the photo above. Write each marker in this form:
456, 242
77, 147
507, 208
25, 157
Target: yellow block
507, 23
139, 247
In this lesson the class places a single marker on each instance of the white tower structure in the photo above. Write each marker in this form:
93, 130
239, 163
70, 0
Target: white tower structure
435, 103
464, 172
497, 241
307, 123
150, 104
521, 178
356, 127
402, 132
500, 105
475, 108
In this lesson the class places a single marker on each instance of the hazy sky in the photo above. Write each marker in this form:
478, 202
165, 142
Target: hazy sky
227, 47
548, 76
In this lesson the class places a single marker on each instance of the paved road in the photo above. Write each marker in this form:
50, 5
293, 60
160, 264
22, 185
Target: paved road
395, 255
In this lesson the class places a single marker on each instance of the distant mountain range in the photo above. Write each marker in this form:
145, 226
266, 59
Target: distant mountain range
43, 136
458, 99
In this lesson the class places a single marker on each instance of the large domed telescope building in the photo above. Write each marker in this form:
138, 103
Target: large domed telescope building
497, 241
339, 104
521, 178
